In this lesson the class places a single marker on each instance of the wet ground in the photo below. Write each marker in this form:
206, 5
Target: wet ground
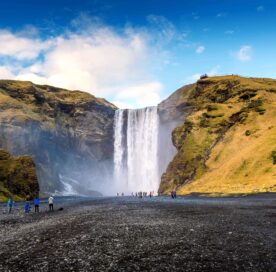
129, 234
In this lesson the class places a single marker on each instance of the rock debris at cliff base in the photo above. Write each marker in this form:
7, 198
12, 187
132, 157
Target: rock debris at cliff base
126, 234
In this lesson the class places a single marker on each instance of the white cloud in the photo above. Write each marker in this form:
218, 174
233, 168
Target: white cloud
99, 61
32, 77
21, 48
260, 8
122, 105
214, 71
140, 95
200, 49
193, 78
244, 54
117, 64
5, 73
96, 61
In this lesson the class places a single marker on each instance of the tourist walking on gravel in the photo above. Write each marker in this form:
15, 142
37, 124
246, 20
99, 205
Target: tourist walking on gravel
36, 204
51, 203
10, 205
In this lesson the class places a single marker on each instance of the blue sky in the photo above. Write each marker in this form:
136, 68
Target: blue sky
135, 53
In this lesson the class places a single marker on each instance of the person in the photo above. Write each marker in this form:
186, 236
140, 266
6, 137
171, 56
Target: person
10, 205
172, 195
36, 204
51, 203
27, 207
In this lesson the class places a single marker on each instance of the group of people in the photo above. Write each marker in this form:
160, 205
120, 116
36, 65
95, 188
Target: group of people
139, 194
173, 194
144, 194
28, 207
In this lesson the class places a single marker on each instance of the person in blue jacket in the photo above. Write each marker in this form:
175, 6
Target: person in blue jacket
27, 207
10, 205
36, 203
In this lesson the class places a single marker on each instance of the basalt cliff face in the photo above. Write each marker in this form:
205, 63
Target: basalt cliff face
17, 177
227, 143
69, 134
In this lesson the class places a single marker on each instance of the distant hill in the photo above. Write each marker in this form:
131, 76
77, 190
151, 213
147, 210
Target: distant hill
17, 177
227, 144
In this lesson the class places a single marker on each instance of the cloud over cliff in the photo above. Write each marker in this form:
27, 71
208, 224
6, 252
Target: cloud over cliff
93, 57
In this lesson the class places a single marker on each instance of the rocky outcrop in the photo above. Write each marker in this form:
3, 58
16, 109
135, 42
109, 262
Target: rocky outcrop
69, 134
226, 143
176, 106
172, 113
17, 177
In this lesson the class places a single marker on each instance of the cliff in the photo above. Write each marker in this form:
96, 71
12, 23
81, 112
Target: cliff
69, 134
227, 144
17, 177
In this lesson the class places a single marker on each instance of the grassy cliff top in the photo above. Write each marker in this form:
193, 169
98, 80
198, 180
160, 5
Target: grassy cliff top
29, 92
221, 88
24, 101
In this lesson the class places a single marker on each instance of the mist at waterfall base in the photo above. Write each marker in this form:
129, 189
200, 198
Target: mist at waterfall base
142, 150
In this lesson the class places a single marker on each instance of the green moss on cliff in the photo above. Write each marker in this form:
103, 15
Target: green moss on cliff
17, 177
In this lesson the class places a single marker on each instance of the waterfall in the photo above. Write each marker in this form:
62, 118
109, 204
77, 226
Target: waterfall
119, 174
136, 150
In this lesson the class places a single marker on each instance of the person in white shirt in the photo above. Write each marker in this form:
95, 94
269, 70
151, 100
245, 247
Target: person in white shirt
51, 203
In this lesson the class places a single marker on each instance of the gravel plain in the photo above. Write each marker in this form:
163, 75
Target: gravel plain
130, 234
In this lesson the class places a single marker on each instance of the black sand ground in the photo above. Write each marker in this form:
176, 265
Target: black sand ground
127, 234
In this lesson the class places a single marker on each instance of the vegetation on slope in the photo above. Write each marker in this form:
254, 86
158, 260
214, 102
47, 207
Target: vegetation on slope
227, 144
25, 101
17, 177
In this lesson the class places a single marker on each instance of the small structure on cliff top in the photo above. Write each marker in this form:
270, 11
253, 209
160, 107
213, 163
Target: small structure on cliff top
203, 76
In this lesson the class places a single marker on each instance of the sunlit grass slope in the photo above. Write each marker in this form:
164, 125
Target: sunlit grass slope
23, 101
227, 145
